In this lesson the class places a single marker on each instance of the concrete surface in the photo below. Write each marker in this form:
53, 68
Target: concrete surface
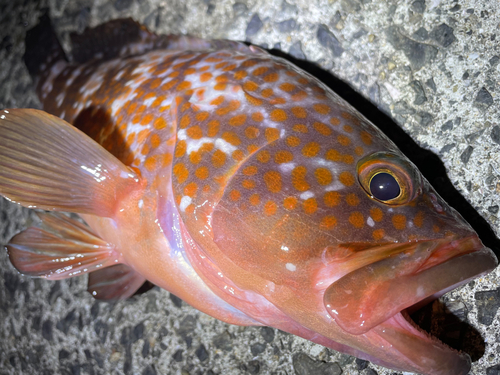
432, 66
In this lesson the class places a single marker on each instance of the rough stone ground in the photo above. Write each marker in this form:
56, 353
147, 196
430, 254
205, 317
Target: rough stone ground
432, 66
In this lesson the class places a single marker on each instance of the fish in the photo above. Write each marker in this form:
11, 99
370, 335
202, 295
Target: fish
236, 181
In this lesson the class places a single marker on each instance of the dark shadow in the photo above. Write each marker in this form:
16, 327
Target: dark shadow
451, 327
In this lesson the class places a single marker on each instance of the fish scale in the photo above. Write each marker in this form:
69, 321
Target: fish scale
239, 183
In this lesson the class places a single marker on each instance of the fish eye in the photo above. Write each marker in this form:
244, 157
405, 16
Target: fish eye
384, 187
389, 178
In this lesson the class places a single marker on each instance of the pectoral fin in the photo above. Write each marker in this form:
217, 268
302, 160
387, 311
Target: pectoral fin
47, 163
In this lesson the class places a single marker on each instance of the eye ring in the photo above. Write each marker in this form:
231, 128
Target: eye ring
389, 178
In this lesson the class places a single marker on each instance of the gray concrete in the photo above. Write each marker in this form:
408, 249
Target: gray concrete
431, 65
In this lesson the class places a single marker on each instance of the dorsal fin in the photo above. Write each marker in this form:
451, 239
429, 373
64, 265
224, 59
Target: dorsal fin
117, 38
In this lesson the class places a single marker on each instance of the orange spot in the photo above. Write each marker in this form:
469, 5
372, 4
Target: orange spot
229, 68
271, 77
376, 214
189, 71
213, 128
352, 199
218, 101
218, 158
331, 198
167, 86
145, 149
299, 96
378, 234
283, 157
300, 128
303, 81
254, 199
190, 189
185, 121
278, 115
257, 116
253, 100
293, 141
202, 173
348, 159
202, 116
248, 184
263, 156
278, 101
155, 140
322, 128
328, 222
150, 163
130, 139
142, 136
220, 86
298, 178
290, 203
252, 148
232, 138
250, 86
260, 70
234, 195
181, 172
213, 59
333, 155
359, 150
272, 134
250, 170
419, 219
323, 176
287, 87
311, 149
348, 128
194, 132
240, 74
347, 178
344, 140
184, 85
270, 208
334, 121
273, 181
204, 77
310, 206
251, 132
356, 219
195, 157
436, 229
147, 119
366, 138
238, 120
322, 109
238, 155
299, 112
399, 222
266, 93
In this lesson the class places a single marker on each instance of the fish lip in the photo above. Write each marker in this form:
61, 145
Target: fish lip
401, 331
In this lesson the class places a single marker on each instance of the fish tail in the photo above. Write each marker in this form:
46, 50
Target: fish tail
43, 50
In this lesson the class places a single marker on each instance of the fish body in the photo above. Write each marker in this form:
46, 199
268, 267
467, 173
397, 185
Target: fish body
241, 184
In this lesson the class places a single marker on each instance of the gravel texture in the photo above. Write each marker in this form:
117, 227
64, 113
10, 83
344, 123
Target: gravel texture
430, 67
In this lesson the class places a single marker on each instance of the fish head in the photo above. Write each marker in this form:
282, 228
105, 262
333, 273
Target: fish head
339, 216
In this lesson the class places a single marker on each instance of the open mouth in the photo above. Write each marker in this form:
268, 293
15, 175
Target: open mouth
377, 299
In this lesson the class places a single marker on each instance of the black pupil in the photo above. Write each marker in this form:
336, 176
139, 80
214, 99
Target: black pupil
384, 187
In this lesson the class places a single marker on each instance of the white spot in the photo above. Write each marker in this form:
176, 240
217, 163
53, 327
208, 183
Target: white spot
287, 167
291, 267
306, 195
2, 117
149, 101
284, 248
141, 203
370, 221
224, 146
185, 201
6, 111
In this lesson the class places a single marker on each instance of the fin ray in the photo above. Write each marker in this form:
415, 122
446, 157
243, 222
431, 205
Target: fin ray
115, 282
65, 171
